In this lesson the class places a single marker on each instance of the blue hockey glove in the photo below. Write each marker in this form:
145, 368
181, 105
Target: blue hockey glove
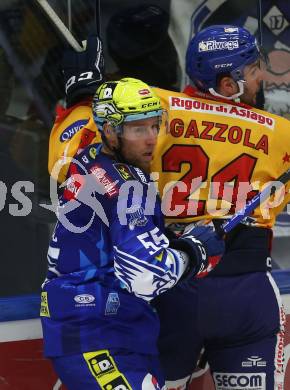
204, 248
83, 71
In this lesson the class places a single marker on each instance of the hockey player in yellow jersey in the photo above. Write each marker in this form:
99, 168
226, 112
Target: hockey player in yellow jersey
214, 149
217, 152
73, 130
221, 151
74, 127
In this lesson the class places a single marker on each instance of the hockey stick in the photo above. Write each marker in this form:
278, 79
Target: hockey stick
98, 17
227, 226
70, 39
260, 24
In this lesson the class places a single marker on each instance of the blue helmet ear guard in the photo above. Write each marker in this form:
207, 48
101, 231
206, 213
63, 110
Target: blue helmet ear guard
217, 50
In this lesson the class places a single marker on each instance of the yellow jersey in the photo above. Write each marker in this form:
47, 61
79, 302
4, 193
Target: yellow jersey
216, 155
73, 130
212, 157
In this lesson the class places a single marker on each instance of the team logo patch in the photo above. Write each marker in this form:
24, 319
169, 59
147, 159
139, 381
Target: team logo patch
124, 171
136, 216
112, 304
71, 130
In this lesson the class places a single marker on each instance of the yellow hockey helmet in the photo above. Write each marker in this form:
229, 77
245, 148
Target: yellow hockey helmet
125, 100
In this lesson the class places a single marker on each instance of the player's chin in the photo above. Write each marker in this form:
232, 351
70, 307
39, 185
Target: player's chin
145, 166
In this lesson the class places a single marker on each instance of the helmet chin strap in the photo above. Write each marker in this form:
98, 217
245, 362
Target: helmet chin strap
234, 97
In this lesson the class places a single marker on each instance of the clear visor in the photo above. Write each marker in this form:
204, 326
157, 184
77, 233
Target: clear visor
144, 128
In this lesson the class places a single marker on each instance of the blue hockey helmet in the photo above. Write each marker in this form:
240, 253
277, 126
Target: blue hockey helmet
220, 49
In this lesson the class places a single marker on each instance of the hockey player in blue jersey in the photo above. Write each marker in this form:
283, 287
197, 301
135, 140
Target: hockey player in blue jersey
109, 256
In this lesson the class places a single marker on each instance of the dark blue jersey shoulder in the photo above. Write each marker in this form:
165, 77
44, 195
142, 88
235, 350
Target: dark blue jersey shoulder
120, 171
116, 185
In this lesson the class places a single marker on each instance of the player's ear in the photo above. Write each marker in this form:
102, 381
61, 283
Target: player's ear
110, 134
227, 86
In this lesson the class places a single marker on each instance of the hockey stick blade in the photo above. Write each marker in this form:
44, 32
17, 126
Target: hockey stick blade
58, 23
227, 226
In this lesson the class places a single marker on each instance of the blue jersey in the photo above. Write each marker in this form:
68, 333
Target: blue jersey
107, 259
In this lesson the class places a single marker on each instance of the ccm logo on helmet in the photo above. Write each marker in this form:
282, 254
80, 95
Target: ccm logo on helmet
150, 104
218, 66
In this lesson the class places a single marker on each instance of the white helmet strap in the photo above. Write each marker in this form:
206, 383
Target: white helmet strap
234, 97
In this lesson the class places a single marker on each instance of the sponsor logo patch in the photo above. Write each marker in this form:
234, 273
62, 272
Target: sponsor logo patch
219, 66
124, 171
105, 371
71, 130
84, 298
72, 188
118, 383
216, 45
44, 310
93, 153
141, 175
144, 91
231, 29
100, 363
239, 381
254, 361
187, 104
102, 176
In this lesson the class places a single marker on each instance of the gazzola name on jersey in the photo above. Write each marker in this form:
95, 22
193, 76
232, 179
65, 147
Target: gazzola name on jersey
220, 132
